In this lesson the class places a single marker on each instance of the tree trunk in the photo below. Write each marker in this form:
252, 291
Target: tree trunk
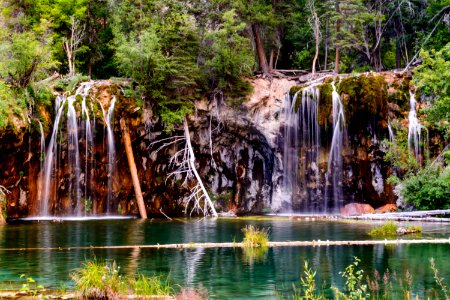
194, 169
317, 39
133, 169
326, 46
272, 54
398, 54
338, 29
263, 66
69, 58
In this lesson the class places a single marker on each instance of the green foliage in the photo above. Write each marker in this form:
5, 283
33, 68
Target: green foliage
355, 289
308, 289
31, 287
429, 189
151, 286
12, 102
24, 57
388, 229
255, 237
101, 280
68, 83
231, 57
430, 79
439, 280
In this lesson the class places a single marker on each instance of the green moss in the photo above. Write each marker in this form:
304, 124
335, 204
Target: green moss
364, 94
326, 103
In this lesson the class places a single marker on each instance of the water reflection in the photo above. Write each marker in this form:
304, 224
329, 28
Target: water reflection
229, 273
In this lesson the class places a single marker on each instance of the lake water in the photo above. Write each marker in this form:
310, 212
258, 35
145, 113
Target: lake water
226, 273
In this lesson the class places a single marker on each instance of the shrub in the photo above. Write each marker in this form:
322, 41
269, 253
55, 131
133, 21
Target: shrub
255, 237
429, 189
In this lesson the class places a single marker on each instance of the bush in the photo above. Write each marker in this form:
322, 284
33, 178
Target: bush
255, 237
429, 189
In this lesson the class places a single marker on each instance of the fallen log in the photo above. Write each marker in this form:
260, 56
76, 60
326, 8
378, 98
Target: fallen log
133, 170
313, 243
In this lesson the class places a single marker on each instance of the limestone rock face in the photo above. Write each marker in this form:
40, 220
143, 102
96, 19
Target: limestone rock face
238, 150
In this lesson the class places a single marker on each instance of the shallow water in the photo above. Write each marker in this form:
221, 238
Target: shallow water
226, 273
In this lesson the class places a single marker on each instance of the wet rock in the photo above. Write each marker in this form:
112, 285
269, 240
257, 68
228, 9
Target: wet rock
386, 208
356, 209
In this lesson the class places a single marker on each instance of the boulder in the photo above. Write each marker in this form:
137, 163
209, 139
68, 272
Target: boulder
356, 209
386, 208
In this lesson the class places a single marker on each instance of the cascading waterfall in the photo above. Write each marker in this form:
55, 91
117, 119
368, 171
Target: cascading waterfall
333, 176
89, 145
111, 150
50, 158
414, 128
290, 152
52, 164
391, 133
301, 150
309, 149
42, 152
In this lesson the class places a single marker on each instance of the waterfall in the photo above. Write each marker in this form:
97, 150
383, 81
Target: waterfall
290, 152
111, 150
391, 133
42, 153
50, 158
73, 155
414, 128
333, 176
51, 164
309, 149
89, 145
301, 152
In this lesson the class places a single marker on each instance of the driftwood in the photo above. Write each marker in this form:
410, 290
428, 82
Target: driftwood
133, 170
317, 243
423, 216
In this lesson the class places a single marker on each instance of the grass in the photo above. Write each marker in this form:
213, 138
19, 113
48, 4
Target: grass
387, 229
391, 229
359, 284
255, 237
151, 286
102, 280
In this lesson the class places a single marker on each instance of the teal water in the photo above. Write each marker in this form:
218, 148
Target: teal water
226, 273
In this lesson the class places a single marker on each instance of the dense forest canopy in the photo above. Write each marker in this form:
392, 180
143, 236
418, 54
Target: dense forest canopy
177, 51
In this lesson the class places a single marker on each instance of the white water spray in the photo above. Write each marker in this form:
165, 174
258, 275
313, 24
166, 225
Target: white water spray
333, 176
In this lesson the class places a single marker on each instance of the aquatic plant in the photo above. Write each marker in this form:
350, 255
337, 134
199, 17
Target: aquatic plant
354, 287
150, 286
31, 287
308, 289
98, 280
387, 229
255, 237
440, 281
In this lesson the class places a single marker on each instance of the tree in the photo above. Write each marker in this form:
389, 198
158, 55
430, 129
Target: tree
314, 22
71, 46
